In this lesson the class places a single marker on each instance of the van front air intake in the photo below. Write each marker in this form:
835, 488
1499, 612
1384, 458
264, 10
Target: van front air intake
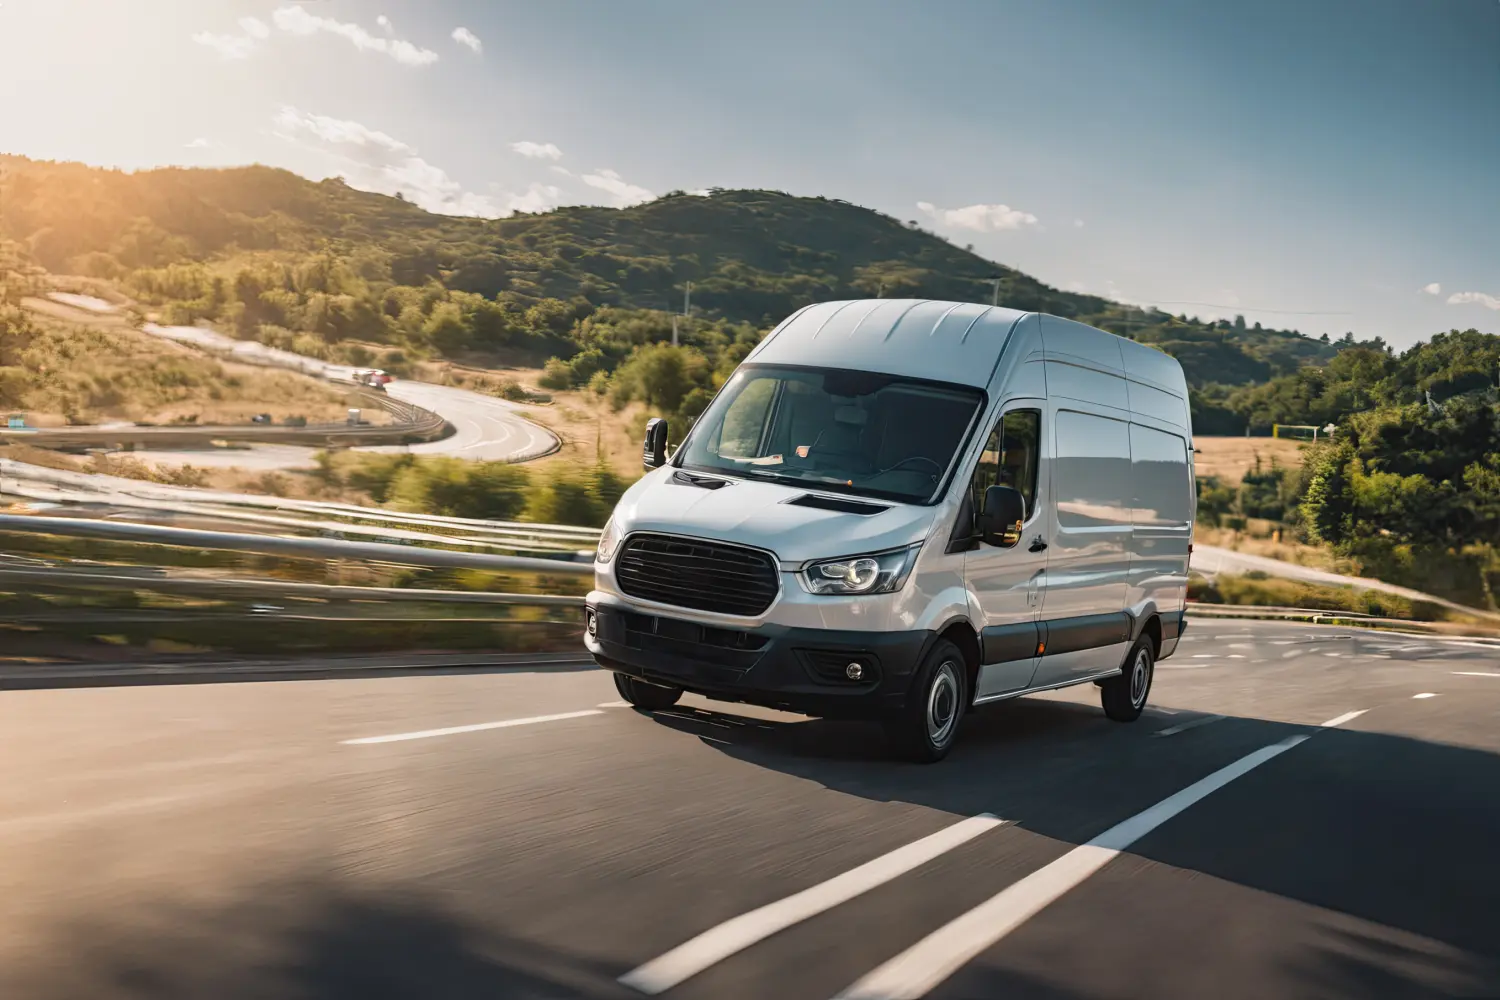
698, 574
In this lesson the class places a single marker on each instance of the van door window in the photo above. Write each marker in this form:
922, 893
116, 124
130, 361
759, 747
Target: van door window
1010, 457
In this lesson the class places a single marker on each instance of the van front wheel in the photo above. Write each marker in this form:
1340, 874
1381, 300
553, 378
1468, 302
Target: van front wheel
651, 697
924, 731
1124, 697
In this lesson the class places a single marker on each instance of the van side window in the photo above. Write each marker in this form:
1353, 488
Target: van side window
1010, 458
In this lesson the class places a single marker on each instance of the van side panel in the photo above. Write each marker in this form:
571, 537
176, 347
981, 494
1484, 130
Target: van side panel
1164, 493
1162, 490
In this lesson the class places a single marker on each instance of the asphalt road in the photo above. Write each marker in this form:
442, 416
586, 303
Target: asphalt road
485, 427
519, 834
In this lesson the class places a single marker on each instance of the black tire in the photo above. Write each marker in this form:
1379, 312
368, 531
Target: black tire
1124, 697
926, 729
650, 697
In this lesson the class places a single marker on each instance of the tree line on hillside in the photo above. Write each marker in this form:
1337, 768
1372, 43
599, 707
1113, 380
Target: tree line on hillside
280, 257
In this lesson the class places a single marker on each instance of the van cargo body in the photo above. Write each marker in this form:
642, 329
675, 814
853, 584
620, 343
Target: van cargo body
899, 510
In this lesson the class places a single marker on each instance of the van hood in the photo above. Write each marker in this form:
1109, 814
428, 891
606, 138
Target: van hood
759, 514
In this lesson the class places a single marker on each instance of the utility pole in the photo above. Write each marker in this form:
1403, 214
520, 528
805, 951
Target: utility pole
687, 299
995, 296
674, 331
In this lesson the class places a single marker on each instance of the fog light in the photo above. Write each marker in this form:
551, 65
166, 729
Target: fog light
591, 623
854, 671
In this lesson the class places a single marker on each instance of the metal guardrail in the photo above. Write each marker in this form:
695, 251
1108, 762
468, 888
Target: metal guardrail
60, 579
105, 489
413, 424
1316, 616
517, 542
276, 545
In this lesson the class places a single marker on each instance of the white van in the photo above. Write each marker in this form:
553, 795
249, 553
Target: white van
899, 510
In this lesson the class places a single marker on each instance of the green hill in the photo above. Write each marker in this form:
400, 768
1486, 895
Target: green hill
752, 257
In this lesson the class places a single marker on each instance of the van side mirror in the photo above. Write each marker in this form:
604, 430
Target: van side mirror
1001, 516
654, 455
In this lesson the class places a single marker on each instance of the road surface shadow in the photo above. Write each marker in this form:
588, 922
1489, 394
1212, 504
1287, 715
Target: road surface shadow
301, 941
1397, 833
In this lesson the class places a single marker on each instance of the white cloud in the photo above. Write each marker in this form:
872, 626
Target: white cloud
623, 192
255, 27
374, 161
1077, 223
564, 171
980, 218
701, 193
338, 131
199, 143
538, 198
1077, 286
465, 37
1433, 289
1475, 298
537, 150
228, 46
297, 21
385, 23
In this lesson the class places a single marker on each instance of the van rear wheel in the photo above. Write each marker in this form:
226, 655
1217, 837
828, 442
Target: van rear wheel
924, 731
651, 697
1124, 697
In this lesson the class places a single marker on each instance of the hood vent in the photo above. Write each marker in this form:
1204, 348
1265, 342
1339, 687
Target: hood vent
702, 482
838, 504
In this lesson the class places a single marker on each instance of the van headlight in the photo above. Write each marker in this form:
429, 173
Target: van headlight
877, 573
609, 540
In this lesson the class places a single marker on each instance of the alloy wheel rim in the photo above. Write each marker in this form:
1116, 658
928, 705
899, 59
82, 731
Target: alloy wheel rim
942, 704
1139, 676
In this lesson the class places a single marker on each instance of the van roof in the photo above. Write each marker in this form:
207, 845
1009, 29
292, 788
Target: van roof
956, 342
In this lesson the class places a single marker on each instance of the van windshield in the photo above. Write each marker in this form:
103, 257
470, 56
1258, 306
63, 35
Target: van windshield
836, 430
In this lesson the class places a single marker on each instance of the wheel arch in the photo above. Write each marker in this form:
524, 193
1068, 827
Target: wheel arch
962, 633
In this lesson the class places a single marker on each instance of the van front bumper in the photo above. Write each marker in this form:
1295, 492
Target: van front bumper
804, 670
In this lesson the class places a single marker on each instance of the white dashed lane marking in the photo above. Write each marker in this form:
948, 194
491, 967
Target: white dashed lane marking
475, 728
733, 936
1346, 717
1185, 726
919, 969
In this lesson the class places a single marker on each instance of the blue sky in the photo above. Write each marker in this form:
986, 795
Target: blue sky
1325, 165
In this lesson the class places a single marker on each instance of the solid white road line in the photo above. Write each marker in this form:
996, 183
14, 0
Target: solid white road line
732, 936
1184, 727
614, 704
1346, 717
923, 966
1477, 673
1424, 694
478, 727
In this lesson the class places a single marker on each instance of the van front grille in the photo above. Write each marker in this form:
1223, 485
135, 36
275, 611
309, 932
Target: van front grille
691, 573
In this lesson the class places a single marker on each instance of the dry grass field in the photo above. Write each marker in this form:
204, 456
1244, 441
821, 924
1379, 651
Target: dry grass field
1230, 458
82, 368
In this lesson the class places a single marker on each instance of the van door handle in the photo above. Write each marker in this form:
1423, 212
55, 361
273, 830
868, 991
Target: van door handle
1037, 545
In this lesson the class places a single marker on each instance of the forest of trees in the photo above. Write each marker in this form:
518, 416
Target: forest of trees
278, 257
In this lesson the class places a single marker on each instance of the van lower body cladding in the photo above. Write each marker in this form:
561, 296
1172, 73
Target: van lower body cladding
821, 672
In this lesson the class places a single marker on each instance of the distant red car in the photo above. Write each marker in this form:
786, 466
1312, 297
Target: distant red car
372, 377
